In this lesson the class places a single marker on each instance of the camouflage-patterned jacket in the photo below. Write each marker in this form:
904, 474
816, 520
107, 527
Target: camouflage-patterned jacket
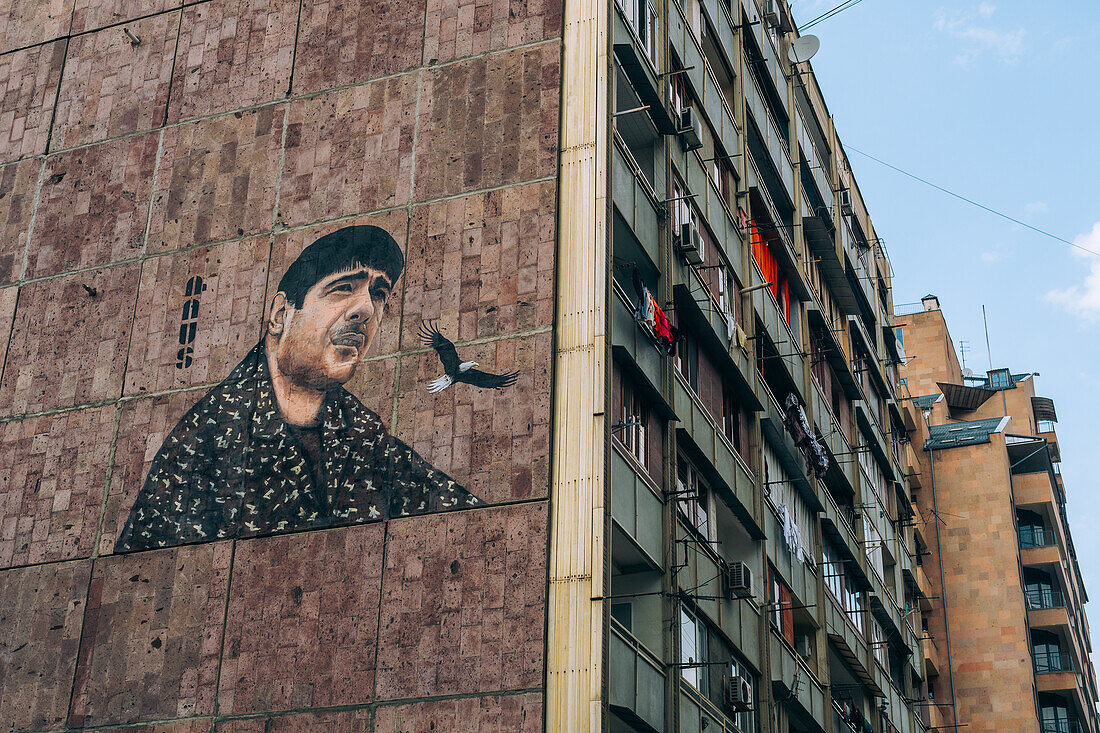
232, 468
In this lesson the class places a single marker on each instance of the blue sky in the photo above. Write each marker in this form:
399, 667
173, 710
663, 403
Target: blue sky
997, 101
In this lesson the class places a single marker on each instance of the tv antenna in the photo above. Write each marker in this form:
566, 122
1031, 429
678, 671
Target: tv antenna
964, 349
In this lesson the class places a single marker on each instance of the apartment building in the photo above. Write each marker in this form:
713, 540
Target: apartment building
420, 365
762, 570
1008, 637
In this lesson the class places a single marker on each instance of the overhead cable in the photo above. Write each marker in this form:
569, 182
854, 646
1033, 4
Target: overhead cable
972, 202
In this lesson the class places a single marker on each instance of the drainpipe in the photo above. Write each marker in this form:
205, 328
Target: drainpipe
943, 592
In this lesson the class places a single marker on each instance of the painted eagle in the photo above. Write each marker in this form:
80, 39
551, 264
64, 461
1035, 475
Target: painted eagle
456, 370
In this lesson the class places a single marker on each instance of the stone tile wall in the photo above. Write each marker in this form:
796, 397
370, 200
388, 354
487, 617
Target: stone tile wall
144, 143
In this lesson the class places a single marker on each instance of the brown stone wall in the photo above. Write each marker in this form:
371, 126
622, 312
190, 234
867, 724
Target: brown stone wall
144, 143
990, 647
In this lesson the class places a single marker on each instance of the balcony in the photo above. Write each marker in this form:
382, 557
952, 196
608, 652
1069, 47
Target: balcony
771, 138
637, 682
1053, 662
1044, 598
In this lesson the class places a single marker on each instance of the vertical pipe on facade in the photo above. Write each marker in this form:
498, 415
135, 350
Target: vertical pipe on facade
943, 589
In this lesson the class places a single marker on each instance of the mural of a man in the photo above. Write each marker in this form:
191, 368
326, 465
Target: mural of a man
280, 445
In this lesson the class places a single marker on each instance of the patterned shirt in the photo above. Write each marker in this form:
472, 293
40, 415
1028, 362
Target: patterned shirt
233, 468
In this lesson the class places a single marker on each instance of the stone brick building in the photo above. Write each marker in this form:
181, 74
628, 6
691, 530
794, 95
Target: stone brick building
162, 163
1009, 641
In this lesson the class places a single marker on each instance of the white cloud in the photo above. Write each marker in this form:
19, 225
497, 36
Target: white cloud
1036, 207
990, 257
977, 36
1083, 300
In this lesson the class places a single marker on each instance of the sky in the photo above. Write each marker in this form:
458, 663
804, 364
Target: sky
998, 102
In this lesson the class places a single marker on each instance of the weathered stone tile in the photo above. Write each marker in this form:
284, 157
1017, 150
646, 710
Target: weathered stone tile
463, 602
459, 28
488, 121
52, 491
496, 443
41, 610
92, 14
350, 721
482, 265
152, 635
113, 87
503, 714
288, 245
28, 91
24, 23
8, 298
342, 42
143, 426
349, 151
18, 183
217, 179
232, 54
93, 206
68, 343
198, 314
303, 620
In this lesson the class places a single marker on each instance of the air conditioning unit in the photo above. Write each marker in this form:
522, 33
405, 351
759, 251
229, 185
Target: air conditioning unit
691, 243
737, 694
738, 580
691, 131
771, 13
846, 202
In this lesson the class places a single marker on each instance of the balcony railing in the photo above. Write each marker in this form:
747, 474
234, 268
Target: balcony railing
1052, 662
1031, 536
1039, 598
1061, 726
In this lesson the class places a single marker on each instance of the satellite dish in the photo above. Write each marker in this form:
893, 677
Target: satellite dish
803, 49
968, 373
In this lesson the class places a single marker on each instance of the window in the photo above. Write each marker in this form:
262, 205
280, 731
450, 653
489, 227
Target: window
721, 173
1048, 654
624, 614
841, 584
879, 645
693, 650
692, 496
998, 379
687, 359
733, 422
641, 16
782, 492
782, 613
634, 418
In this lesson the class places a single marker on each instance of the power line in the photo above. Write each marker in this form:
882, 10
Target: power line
972, 202
830, 13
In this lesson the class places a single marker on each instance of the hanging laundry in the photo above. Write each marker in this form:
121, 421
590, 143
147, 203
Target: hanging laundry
653, 319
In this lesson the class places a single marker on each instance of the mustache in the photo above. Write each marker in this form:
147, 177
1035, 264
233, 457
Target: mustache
350, 334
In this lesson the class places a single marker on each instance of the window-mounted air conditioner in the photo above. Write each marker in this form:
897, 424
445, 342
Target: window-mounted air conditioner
691, 131
691, 243
738, 580
846, 202
737, 694
771, 13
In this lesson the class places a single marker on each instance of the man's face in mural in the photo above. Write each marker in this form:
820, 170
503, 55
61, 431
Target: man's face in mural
320, 344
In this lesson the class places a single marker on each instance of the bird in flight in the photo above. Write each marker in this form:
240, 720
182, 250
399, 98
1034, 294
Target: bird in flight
456, 370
